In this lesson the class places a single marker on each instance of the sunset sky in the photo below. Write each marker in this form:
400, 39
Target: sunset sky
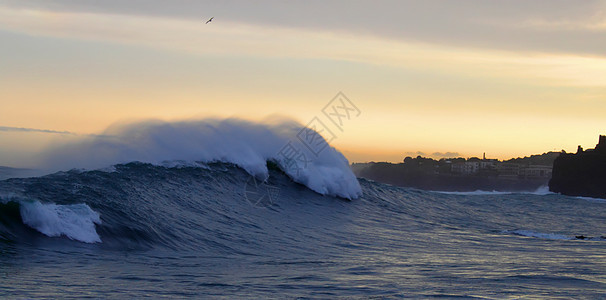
509, 78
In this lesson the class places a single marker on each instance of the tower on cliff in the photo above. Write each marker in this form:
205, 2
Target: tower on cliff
601, 146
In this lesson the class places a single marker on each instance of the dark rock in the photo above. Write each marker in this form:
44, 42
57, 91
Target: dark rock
581, 174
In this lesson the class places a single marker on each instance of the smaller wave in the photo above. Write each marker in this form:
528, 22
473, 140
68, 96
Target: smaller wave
591, 199
75, 221
541, 191
476, 193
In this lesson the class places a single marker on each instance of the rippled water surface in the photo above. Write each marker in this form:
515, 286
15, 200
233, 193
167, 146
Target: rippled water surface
193, 232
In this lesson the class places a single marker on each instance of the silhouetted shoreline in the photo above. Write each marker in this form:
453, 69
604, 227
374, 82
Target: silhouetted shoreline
463, 175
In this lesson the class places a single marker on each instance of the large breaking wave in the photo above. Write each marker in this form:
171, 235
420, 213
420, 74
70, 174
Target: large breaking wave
246, 144
194, 144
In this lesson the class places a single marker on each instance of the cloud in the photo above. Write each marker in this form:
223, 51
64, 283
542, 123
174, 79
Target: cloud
466, 23
576, 21
445, 154
436, 155
414, 154
251, 39
20, 129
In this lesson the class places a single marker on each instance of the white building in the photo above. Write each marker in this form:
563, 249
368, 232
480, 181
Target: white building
468, 167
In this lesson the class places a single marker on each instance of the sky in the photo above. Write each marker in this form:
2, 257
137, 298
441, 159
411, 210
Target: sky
434, 78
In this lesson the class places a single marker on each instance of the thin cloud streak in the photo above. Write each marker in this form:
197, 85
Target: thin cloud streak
49, 131
21, 129
435, 155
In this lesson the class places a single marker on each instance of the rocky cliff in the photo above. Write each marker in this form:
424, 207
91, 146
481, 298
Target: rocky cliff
581, 174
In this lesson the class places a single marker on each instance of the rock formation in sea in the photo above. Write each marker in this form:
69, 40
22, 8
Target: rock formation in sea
582, 173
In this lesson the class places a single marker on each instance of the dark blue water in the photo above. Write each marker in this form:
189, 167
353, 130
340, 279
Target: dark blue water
148, 231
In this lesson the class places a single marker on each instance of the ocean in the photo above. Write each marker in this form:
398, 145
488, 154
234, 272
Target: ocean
140, 230
235, 209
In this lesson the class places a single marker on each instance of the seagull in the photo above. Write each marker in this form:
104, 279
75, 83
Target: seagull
209, 20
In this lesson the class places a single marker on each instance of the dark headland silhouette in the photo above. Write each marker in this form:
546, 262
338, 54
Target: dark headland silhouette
463, 175
582, 173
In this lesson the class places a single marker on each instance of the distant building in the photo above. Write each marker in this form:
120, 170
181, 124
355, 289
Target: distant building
457, 168
508, 169
472, 166
535, 171
466, 168
488, 164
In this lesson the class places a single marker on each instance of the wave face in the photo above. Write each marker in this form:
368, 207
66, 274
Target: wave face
214, 230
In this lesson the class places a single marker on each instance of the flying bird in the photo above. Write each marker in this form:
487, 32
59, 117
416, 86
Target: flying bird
209, 20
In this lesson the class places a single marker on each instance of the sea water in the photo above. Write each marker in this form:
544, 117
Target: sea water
235, 209
142, 230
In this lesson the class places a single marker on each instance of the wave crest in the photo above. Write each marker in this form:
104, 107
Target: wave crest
246, 144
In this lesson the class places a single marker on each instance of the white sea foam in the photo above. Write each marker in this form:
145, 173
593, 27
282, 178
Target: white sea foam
76, 221
247, 144
591, 199
541, 191
476, 193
